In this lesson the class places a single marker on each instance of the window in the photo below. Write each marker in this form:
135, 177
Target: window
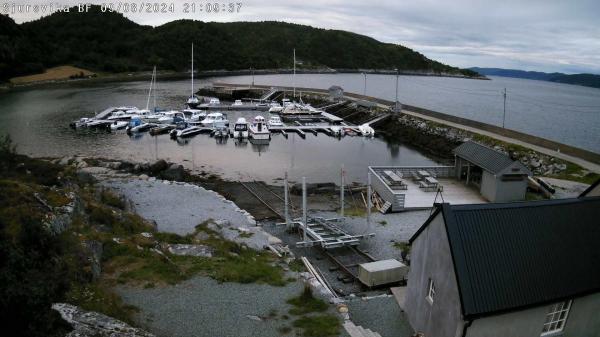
430, 291
556, 317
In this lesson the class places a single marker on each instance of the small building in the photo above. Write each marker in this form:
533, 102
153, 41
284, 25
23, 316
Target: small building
499, 178
525, 269
336, 93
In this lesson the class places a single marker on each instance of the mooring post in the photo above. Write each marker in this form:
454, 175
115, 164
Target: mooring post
369, 201
342, 192
304, 223
286, 200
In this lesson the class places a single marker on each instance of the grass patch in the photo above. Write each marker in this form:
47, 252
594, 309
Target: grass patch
111, 199
306, 303
403, 246
297, 266
382, 222
97, 297
173, 238
318, 326
355, 211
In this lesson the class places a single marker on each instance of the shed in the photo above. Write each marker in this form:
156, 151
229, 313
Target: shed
499, 178
382, 272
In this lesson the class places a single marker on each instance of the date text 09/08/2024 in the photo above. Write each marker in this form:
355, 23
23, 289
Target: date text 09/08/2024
172, 7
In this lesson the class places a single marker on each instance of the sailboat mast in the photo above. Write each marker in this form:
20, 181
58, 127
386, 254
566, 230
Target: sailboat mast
192, 70
294, 76
150, 90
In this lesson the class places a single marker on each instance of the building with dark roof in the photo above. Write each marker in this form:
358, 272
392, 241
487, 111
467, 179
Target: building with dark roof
499, 178
524, 269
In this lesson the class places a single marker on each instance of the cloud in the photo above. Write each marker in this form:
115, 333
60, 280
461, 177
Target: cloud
545, 35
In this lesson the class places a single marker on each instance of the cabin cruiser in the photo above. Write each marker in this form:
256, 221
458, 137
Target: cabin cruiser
172, 117
212, 118
285, 102
118, 125
275, 121
238, 102
80, 123
214, 101
275, 107
124, 114
194, 115
259, 129
240, 128
366, 130
193, 101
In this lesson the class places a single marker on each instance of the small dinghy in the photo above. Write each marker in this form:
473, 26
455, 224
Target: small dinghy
187, 132
366, 130
161, 129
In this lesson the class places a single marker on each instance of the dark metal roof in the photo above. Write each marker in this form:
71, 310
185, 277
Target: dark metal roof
485, 157
510, 256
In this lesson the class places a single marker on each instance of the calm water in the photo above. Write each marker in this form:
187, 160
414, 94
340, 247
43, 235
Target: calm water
38, 122
566, 113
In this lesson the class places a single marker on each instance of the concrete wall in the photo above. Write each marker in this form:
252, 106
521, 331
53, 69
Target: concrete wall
583, 320
488, 186
430, 258
384, 192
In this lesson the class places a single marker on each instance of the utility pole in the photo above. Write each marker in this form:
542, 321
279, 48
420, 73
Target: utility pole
504, 114
396, 101
286, 201
342, 192
365, 87
252, 70
368, 202
304, 220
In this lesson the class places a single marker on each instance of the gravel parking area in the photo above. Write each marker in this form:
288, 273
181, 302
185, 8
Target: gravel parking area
203, 307
178, 207
380, 314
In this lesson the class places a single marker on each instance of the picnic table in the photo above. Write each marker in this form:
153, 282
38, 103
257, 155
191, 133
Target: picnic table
396, 178
431, 180
423, 173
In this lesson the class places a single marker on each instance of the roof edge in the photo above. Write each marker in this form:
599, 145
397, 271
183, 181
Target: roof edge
589, 189
438, 209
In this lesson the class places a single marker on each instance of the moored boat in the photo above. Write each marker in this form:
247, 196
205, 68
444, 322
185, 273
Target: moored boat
240, 129
259, 129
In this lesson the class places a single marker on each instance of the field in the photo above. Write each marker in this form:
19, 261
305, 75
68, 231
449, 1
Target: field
56, 73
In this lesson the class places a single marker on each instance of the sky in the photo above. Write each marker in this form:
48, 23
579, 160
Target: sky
540, 35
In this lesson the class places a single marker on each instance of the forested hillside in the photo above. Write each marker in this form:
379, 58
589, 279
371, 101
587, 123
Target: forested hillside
112, 43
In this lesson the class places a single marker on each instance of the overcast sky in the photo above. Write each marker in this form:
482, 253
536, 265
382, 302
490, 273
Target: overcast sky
543, 35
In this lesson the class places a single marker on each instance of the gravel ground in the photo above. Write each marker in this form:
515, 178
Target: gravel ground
203, 307
397, 227
381, 314
178, 207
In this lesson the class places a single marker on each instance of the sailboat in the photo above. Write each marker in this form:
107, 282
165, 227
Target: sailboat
152, 117
193, 101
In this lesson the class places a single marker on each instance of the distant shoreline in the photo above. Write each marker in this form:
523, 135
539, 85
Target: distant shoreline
174, 75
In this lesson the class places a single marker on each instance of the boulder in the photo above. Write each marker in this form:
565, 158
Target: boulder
174, 172
158, 166
191, 250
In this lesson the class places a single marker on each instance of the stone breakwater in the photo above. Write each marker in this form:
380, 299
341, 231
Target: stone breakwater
538, 163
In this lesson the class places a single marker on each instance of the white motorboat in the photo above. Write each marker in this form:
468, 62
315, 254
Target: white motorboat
214, 101
187, 132
285, 102
172, 117
240, 129
211, 118
80, 123
136, 125
275, 121
366, 130
118, 125
275, 107
259, 129
238, 103
337, 130
194, 115
299, 109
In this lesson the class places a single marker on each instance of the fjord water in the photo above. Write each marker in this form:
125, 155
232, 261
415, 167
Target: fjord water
38, 119
569, 114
